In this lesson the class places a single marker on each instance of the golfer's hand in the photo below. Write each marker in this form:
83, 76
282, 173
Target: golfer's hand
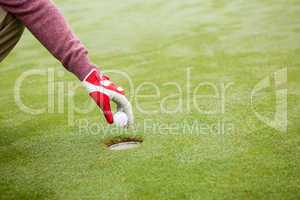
102, 90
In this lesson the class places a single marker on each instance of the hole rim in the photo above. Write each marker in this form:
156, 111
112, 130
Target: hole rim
123, 139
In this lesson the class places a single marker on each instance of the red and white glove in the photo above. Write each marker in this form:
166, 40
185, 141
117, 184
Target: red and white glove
102, 90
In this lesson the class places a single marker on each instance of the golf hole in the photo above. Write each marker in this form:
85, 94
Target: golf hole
119, 144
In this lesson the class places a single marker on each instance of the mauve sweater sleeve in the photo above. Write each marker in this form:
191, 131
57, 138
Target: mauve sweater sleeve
48, 25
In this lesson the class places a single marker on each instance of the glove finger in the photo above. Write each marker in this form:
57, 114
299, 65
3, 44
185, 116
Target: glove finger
119, 108
103, 101
123, 105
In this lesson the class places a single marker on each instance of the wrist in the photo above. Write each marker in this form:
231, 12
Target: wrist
82, 72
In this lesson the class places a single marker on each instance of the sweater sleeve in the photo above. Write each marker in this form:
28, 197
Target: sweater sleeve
48, 25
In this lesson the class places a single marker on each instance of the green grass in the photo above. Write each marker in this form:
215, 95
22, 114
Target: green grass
240, 42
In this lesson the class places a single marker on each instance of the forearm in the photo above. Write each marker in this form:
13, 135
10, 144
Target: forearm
48, 25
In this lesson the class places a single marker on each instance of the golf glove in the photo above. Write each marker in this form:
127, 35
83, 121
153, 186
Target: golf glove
102, 90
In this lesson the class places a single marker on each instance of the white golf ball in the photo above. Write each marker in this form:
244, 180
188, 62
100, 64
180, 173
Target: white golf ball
120, 119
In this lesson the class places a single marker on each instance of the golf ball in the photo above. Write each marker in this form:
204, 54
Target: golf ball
120, 119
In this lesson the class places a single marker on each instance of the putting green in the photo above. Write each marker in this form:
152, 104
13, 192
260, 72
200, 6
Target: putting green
219, 146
